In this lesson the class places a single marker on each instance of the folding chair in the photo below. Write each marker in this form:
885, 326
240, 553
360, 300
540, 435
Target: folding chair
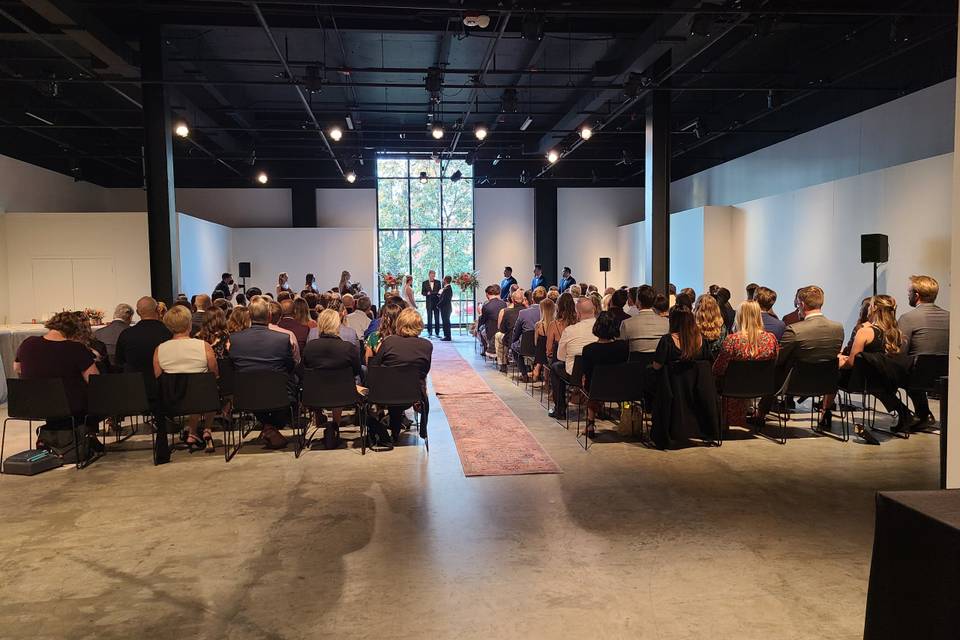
864, 381
812, 380
616, 383
39, 400
926, 372
575, 385
255, 392
527, 350
332, 389
397, 387
746, 380
119, 396
181, 395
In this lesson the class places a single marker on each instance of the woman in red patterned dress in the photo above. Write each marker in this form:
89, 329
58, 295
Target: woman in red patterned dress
749, 342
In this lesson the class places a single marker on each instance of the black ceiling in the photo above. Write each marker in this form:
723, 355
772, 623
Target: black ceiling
743, 74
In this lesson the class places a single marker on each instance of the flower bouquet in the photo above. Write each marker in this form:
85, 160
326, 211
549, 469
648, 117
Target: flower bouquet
466, 280
95, 316
391, 281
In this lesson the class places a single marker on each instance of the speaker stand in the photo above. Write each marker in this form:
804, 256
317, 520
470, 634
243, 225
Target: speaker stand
874, 278
604, 281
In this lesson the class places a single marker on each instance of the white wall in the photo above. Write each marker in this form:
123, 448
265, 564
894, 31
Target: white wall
686, 249
205, 252
587, 230
503, 234
632, 251
236, 207
916, 126
351, 208
323, 252
74, 260
27, 187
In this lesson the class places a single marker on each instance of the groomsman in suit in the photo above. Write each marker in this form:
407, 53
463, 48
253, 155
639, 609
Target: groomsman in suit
431, 291
567, 280
507, 282
446, 306
538, 279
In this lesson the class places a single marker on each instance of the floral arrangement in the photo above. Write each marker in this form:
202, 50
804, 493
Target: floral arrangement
466, 280
391, 280
95, 315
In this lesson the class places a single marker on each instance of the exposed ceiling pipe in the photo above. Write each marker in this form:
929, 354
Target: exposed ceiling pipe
303, 98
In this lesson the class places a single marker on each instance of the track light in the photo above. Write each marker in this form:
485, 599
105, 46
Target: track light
349, 120
553, 156
423, 177
181, 129
532, 27
508, 102
526, 123
456, 175
351, 177
480, 131
586, 132
436, 130
262, 178
336, 133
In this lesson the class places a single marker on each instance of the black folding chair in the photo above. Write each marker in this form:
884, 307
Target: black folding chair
575, 385
865, 381
397, 387
256, 392
615, 383
812, 380
926, 372
118, 396
39, 400
182, 395
643, 357
746, 380
334, 389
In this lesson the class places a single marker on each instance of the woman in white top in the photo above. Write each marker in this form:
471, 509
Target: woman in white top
282, 283
183, 354
408, 292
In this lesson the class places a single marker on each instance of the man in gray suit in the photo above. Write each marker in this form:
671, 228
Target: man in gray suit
526, 321
108, 335
813, 339
926, 331
644, 329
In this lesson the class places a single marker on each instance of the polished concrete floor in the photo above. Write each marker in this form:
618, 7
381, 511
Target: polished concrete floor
751, 540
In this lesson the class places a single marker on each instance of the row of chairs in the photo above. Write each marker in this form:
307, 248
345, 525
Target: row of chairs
123, 396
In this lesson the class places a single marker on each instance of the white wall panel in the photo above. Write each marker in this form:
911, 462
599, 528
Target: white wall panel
503, 234
347, 208
205, 252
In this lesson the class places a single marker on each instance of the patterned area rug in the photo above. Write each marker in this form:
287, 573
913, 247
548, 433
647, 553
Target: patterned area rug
490, 439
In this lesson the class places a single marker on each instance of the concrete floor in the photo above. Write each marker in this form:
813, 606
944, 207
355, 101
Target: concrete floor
751, 540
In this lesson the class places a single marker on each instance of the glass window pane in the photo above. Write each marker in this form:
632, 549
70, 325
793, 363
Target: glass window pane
458, 204
458, 165
393, 250
391, 168
457, 252
392, 203
424, 197
426, 256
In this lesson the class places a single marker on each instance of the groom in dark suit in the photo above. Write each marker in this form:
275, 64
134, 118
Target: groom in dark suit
446, 306
431, 291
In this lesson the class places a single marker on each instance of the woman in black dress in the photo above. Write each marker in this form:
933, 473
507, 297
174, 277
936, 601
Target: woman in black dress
606, 350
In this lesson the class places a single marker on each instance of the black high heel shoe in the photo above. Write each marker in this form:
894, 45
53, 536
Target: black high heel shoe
825, 423
864, 434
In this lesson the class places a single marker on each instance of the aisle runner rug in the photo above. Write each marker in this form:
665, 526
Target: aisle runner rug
491, 440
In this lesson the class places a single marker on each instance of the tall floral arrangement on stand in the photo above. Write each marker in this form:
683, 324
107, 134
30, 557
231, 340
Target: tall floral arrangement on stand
391, 281
466, 280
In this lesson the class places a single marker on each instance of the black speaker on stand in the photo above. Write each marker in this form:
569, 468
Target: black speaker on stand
244, 272
875, 248
604, 267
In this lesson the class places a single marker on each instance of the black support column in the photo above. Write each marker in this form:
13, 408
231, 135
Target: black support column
303, 203
158, 167
656, 194
545, 229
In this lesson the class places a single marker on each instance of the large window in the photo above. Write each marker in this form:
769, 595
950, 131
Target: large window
424, 225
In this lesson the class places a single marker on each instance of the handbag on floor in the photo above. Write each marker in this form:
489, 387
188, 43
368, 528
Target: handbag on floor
60, 442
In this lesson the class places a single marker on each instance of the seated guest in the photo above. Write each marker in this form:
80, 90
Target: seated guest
259, 348
293, 325
385, 326
311, 300
136, 345
727, 311
710, 322
329, 353
60, 354
684, 342
241, 300
553, 294
548, 310
643, 331
301, 313
505, 324
606, 350
527, 320
617, 301
238, 321
96, 347
863, 317
794, 316
926, 331
490, 318
632, 309
813, 339
214, 331
276, 313
201, 304
689, 292
405, 347
222, 304
183, 354
356, 317
566, 316
575, 290
750, 342
597, 301
346, 332
572, 341
661, 304
284, 295
108, 335
752, 291
672, 295
766, 298
375, 323
684, 301
878, 340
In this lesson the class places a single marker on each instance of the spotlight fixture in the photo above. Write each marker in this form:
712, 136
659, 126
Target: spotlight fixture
532, 27
181, 129
508, 102
262, 177
436, 130
456, 175
336, 133
351, 177
479, 20
480, 131
586, 132
523, 177
433, 83
631, 88
526, 123
423, 177
314, 79
552, 156
773, 99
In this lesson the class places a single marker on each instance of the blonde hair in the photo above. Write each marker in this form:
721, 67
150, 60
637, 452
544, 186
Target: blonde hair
178, 319
575, 290
750, 324
925, 287
409, 323
708, 317
328, 323
548, 310
883, 315
517, 296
